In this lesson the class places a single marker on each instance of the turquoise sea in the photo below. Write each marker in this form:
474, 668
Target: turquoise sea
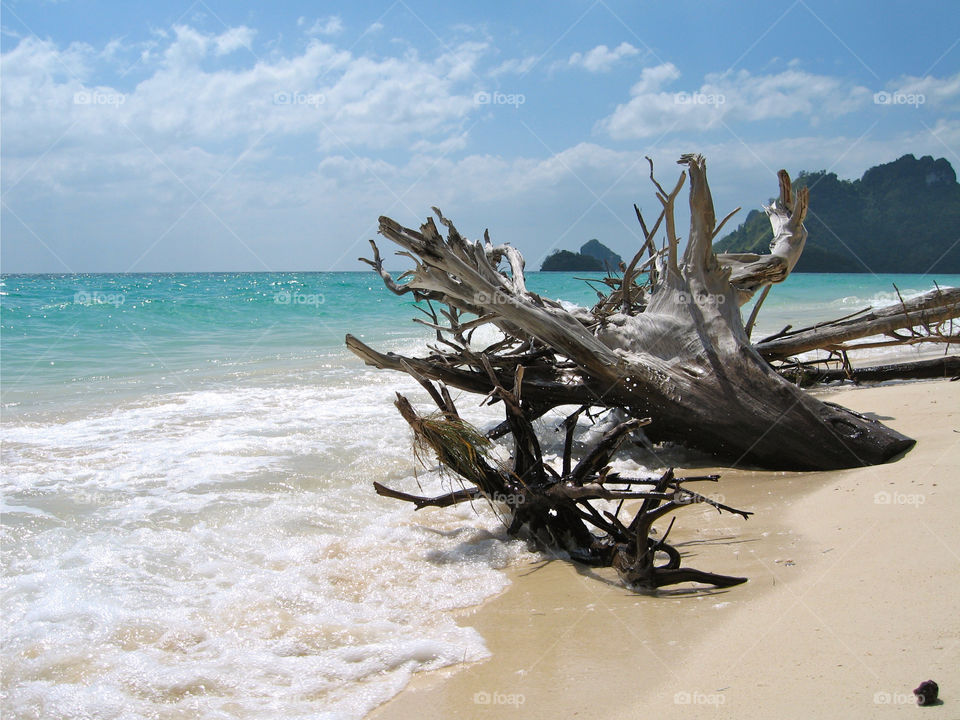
189, 528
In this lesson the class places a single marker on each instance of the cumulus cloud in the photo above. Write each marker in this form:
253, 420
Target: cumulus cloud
935, 91
515, 66
333, 95
441, 148
602, 58
332, 25
538, 203
727, 97
209, 154
207, 148
233, 39
653, 78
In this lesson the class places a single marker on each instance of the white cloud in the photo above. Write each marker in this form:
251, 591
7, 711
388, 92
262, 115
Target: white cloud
112, 49
443, 147
935, 91
233, 39
332, 25
515, 66
330, 94
391, 134
602, 58
321, 217
942, 138
653, 78
725, 98
124, 163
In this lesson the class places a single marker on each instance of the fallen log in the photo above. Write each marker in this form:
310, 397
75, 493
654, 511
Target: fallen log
924, 315
947, 368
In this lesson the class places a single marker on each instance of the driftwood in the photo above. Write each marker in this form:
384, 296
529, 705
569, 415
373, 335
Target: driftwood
750, 272
928, 319
680, 355
557, 509
806, 374
664, 347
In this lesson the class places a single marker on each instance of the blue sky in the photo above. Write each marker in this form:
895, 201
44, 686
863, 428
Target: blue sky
270, 136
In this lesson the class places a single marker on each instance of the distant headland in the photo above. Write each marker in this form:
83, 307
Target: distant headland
900, 217
594, 256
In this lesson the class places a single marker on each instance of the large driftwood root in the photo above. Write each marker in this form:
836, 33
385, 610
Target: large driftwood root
674, 348
665, 341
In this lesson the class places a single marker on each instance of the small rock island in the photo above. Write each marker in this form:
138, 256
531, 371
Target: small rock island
594, 256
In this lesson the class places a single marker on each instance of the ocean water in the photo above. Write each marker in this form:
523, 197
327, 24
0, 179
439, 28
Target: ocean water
188, 524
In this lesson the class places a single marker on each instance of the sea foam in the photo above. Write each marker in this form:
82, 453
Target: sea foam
222, 554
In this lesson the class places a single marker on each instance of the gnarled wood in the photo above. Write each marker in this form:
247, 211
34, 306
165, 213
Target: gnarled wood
751, 272
670, 355
685, 360
947, 368
926, 313
555, 510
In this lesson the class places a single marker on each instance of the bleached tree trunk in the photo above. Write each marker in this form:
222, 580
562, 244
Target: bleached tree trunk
749, 272
684, 360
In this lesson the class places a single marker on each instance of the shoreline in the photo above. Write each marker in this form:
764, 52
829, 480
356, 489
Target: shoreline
844, 614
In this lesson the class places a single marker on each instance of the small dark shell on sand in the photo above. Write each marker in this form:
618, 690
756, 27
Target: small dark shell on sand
927, 693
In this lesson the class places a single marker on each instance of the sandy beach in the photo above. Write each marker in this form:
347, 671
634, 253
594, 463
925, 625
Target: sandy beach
851, 603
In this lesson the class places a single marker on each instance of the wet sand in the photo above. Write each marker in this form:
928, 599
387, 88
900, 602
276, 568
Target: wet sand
852, 601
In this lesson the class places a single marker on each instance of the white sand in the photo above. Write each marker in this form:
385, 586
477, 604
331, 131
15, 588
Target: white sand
853, 600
